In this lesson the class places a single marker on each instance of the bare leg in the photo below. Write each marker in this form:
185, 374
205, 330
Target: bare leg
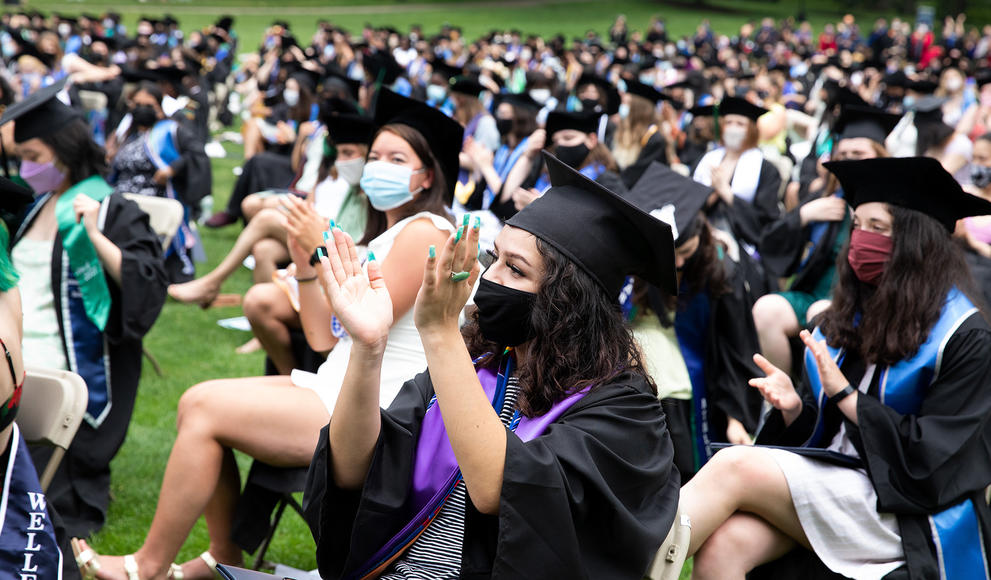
268, 253
736, 479
272, 316
817, 308
742, 543
251, 205
267, 224
776, 322
252, 138
284, 421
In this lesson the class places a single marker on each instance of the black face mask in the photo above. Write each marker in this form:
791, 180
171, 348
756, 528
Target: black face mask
589, 105
573, 155
504, 313
144, 115
505, 126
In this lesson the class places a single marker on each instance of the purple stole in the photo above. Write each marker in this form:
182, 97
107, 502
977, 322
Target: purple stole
436, 471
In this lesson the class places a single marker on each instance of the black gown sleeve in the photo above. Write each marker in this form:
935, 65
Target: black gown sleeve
920, 463
193, 177
594, 495
782, 243
729, 363
750, 219
350, 525
141, 294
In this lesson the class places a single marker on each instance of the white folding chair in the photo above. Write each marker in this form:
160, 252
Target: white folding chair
52, 407
670, 558
164, 215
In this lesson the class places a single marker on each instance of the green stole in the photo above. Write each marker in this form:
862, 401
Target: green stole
83, 259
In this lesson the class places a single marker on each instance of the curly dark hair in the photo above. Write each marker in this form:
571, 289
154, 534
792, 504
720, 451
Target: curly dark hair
580, 338
895, 318
76, 151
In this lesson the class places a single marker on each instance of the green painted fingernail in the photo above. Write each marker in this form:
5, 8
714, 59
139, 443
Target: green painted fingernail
371, 256
326, 236
461, 231
465, 221
478, 223
332, 224
339, 227
432, 252
459, 276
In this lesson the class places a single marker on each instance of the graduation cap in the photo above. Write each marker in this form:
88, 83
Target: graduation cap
670, 197
380, 66
837, 94
928, 110
916, 183
335, 106
350, 128
895, 79
577, 121
924, 86
306, 78
334, 77
605, 87
518, 101
443, 134
446, 70
635, 87
224, 23
605, 235
868, 122
731, 106
40, 114
466, 85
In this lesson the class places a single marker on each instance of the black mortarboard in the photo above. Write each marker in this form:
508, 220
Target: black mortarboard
612, 95
895, 79
348, 128
670, 197
916, 183
635, 87
224, 23
518, 101
924, 86
13, 196
869, 122
445, 70
307, 78
731, 106
466, 85
443, 134
837, 94
335, 106
353, 86
578, 121
40, 114
605, 235
380, 66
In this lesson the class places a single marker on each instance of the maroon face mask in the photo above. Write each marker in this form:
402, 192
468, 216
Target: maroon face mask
869, 253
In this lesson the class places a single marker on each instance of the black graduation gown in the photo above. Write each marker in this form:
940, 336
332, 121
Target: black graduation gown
730, 343
782, 247
748, 221
593, 497
654, 150
193, 179
919, 464
80, 490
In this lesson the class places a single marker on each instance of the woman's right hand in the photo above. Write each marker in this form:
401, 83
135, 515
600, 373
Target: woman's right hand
823, 209
777, 389
361, 302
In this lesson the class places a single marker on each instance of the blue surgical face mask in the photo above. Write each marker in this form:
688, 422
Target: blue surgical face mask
436, 93
624, 111
387, 184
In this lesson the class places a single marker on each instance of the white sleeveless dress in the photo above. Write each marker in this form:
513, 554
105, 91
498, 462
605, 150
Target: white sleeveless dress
403, 358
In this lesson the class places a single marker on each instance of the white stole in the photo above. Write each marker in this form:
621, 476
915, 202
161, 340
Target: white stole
746, 174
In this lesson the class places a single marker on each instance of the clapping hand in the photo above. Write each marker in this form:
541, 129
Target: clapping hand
830, 376
448, 280
360, 301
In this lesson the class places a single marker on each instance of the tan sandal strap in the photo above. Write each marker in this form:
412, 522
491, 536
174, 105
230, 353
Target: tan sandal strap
209, 559
131, 567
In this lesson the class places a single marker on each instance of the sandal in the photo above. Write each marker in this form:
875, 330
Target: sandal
176, 573
89, 562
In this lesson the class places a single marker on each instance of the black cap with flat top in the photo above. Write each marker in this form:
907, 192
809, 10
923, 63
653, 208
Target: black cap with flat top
605, 87
575, 121
605, 235
635, 87
517, 100
867, 122
731, 106
350, 128
40, 114
670, 197
443, 134
916, 183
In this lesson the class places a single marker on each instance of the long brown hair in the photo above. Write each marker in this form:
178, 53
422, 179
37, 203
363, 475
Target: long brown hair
703, 272
435, 200
889, 323
628, 140
580, 339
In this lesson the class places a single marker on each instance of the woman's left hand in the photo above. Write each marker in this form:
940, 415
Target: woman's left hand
162, 175
441, 298
736, 433
830, 376
86, 210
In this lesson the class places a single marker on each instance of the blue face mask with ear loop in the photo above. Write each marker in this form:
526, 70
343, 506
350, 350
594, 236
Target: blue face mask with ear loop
387, 184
